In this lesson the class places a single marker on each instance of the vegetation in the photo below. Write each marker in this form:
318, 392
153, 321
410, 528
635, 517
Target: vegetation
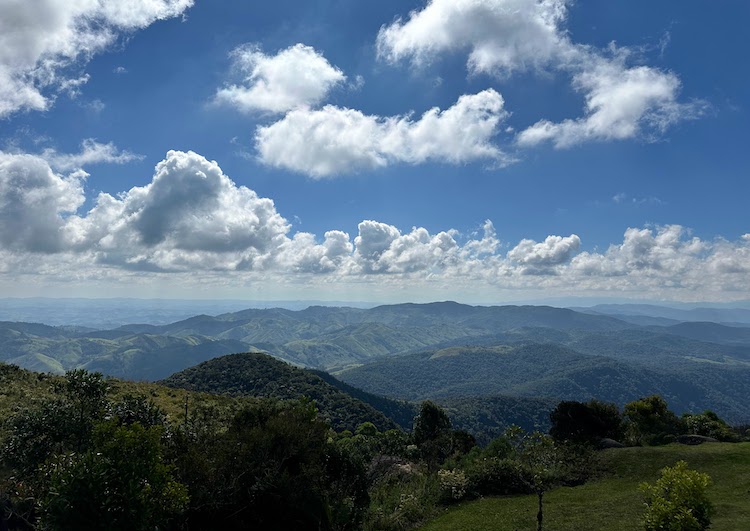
613, 501
274, 446
678, 501
260, 375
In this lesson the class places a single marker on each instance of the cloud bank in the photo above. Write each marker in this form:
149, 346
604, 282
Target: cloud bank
193, 220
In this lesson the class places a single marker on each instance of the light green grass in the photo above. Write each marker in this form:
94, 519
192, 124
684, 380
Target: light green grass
614, 502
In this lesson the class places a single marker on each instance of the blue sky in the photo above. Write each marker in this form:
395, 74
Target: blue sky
477, 150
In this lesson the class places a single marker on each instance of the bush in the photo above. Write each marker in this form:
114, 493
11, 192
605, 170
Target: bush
453, 485
678, 501
494, 476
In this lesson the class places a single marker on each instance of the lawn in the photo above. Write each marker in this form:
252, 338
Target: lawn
614, 502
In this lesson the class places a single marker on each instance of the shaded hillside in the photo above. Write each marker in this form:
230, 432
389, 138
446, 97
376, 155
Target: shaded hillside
260, 375
712, 332
146, 362
400, 411
487, 417
115, 353
715, 315
327, 337
546, 370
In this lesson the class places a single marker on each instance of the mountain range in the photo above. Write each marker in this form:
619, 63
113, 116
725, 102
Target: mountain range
441, 351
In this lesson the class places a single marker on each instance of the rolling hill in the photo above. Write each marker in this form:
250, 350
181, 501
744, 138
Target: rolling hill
259, 375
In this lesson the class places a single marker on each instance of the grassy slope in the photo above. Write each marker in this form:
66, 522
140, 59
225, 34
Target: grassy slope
614, 502
20, 388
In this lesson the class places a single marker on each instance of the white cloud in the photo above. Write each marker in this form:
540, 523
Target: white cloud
381, 248
624, 199
41, 42
34, 202
502, 37
193, 226
333, 140
619, 103
92, 152
190, 215
538, 258
295, 77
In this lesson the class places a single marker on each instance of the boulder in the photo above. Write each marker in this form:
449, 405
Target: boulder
695, 439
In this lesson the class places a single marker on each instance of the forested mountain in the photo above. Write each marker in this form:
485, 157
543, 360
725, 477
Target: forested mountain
260, 375
716, 315
513, 351
547, 370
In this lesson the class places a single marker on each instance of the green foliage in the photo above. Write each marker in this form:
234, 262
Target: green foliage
585, 423
401, 501
120, 483
432, 434
260, 375
678, 501
650, 421
273, 467
709, 424
431, 423
611, 501
453, 485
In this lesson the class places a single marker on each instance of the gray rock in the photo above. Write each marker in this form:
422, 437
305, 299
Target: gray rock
695, 439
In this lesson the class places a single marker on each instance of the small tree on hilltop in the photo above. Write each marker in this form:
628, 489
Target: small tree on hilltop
678, 501
540, 463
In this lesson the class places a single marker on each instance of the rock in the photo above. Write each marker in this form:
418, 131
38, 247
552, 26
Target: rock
695, 439
609, 443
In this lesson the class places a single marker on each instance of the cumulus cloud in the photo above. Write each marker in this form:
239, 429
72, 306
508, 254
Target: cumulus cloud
34, 203
619, 103
333, 140
189, 215
539, 258
295, 77
192, 223
502, 37
42, 43
381, 248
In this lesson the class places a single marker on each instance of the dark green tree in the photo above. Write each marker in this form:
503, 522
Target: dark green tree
432, 434
121, 483
650, 421
585, 423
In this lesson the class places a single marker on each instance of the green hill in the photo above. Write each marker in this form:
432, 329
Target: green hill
260, 375
548, 370
613, 502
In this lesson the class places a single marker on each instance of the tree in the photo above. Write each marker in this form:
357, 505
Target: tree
678, 500
432, 434
708, 424
120, 483
650, 421
540, 464
589, 422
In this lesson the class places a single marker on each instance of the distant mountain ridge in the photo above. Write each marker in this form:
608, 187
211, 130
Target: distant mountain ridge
715, 315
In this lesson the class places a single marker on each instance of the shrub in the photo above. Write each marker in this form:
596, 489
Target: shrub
453, 484
678, 501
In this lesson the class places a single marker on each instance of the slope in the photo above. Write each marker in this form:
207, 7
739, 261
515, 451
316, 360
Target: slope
260, 375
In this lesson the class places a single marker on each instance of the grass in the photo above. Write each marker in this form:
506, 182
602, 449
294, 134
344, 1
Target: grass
614, 502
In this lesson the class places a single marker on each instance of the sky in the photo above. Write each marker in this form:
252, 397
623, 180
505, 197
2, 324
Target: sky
473, 150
